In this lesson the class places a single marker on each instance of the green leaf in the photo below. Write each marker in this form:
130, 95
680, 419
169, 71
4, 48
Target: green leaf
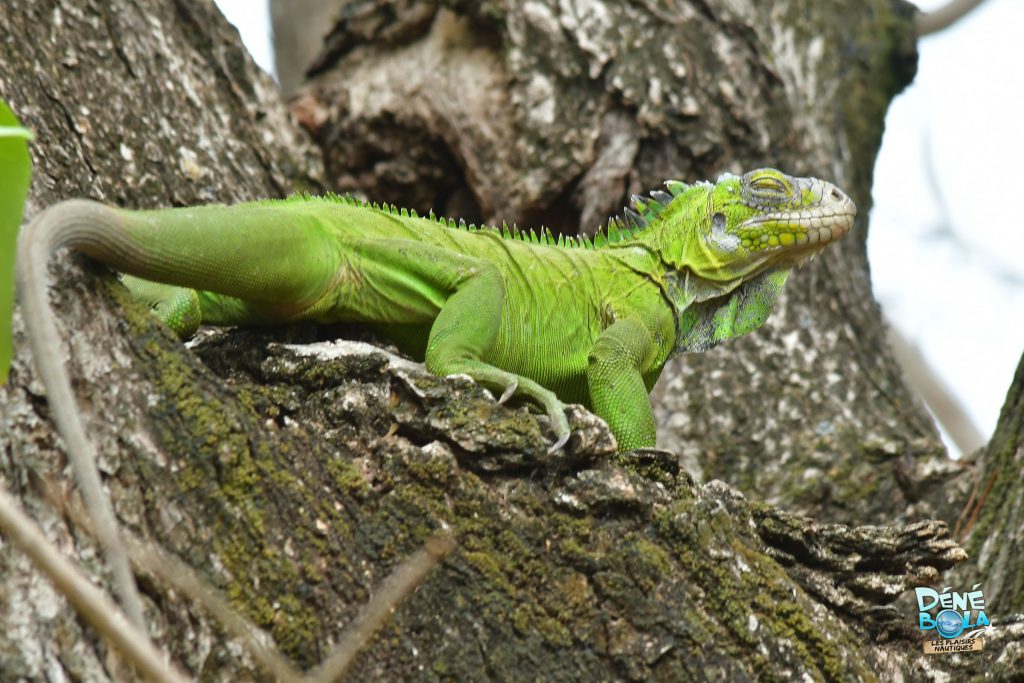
15, 169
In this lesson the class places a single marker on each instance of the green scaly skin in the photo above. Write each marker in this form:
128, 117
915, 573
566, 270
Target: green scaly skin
573, 319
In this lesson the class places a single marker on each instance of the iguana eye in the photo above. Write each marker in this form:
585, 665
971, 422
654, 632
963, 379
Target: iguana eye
766, 188
769, 184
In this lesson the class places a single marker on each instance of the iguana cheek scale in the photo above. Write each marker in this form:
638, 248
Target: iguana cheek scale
583, 320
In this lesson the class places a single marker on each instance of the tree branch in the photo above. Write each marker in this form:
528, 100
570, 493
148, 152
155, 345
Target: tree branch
944, 17
941, 399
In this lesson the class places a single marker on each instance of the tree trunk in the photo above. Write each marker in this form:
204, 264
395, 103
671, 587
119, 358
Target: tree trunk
294, 475
299, 27
992, 520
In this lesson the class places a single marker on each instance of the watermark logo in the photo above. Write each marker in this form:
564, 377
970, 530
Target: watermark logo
958, 619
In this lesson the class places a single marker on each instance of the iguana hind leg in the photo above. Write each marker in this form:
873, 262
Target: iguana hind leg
618, 393
184, 309
177, 307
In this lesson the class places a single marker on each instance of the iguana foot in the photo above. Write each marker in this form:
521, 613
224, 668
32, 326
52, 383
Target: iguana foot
177, 307
549, 402
551, 405
516, 385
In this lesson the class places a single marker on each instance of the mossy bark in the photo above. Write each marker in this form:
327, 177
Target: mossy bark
295, 475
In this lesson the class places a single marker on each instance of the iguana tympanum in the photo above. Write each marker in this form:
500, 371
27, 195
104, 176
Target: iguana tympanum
581, 320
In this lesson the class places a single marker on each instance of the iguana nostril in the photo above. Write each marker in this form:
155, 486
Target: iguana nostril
837, 194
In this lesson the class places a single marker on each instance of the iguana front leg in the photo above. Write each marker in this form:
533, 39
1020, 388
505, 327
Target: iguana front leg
620, 357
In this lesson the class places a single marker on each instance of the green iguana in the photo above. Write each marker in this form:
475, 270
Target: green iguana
581, 320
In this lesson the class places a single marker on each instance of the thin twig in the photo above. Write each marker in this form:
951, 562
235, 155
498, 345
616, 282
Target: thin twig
402, 581
979, 504
968, 506
932, 22
158, 563
406, 578
90, 602
182, 578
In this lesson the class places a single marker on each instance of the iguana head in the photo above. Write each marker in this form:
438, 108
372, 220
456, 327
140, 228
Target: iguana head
743, 225
729, 247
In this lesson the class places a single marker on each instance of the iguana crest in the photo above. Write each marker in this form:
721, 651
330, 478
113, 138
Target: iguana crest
634, 219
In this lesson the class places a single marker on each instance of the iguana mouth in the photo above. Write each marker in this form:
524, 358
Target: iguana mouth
807, 227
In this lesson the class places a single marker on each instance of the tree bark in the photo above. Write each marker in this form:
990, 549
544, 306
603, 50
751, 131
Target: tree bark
991, 523
299, 28
295, 474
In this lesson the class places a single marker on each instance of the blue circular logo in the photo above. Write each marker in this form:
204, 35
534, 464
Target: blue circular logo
949, 624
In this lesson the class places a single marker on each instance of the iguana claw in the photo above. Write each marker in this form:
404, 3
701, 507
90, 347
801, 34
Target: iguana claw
557, 445
510, 390
549, 401
560, 424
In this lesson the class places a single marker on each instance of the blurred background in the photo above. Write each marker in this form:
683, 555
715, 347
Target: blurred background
945, 233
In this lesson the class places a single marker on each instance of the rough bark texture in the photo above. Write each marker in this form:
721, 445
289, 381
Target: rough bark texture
575, 105
295, 475
992, 520
299, 26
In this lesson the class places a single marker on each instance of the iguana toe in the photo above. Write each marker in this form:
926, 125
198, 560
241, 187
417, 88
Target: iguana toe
559, 424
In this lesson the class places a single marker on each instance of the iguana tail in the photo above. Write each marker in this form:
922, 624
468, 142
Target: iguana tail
58, 226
